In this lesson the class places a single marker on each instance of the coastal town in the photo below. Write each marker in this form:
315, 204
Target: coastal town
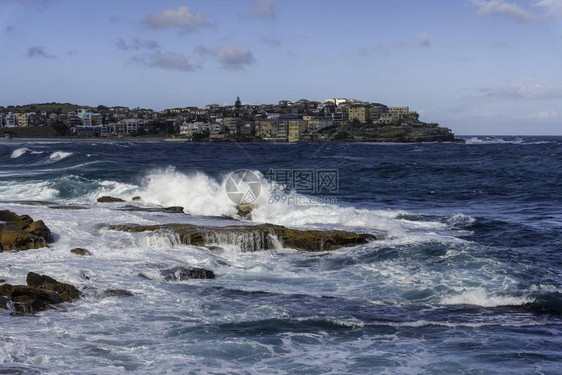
335, 119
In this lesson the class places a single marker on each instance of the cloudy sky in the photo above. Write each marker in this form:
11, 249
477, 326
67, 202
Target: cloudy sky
477, 66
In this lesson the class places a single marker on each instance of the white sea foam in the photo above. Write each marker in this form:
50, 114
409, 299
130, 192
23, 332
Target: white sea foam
499, 140
460, 220
480, 297
35, 190
59, 155
200, 194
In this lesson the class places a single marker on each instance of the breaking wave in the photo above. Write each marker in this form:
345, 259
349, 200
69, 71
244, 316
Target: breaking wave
60, 155
22, 151
500, 140
480, 297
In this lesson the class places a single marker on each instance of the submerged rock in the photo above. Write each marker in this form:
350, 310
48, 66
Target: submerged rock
20, 232
80, 251
117, 293
68, 207
174, 209
40, 293
256, 237
108, 199
183, 273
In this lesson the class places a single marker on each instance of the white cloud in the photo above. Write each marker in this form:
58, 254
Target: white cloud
263, 9
233, 57
136, 44
488, 8
182, 18
553, 8
166, 60
229, 55
521, 91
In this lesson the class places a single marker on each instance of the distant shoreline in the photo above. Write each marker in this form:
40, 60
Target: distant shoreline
82, 140
174, 140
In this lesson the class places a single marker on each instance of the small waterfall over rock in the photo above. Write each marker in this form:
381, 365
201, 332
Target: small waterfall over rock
247, 241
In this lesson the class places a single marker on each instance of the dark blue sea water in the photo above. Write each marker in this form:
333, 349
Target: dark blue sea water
464, 278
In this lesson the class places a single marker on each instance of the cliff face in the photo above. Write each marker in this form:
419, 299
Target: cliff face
415, 131
410, 134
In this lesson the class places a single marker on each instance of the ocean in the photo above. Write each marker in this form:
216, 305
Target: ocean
465, 276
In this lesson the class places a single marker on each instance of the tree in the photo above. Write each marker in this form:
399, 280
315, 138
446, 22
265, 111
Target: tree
60, 127
341, 136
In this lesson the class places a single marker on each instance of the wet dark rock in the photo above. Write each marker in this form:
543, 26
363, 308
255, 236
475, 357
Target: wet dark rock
40, 293
23, 221
39, 229
256, 237
174, 209
108, 199
8, 216
117, 293
20, 232
67, 292
137, 198
183, 273
13, 238
30, 203
80, 251
68, 207
27, 300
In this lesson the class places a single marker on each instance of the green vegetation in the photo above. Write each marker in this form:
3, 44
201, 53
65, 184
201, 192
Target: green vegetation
30, 131
47, 107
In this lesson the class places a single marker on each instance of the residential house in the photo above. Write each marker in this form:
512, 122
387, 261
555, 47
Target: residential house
316, 125
22, 119
358, 113
296, 128
399, 111
11, 120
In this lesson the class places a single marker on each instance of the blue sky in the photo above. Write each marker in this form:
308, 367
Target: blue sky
477, 66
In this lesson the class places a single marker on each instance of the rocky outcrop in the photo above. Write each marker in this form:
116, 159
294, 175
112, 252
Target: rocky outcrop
108, 199
174, 209
67, 292
80, 251
21, 232
255, 237
40, 293
117, 293
68, 207
183, 273
137, 198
